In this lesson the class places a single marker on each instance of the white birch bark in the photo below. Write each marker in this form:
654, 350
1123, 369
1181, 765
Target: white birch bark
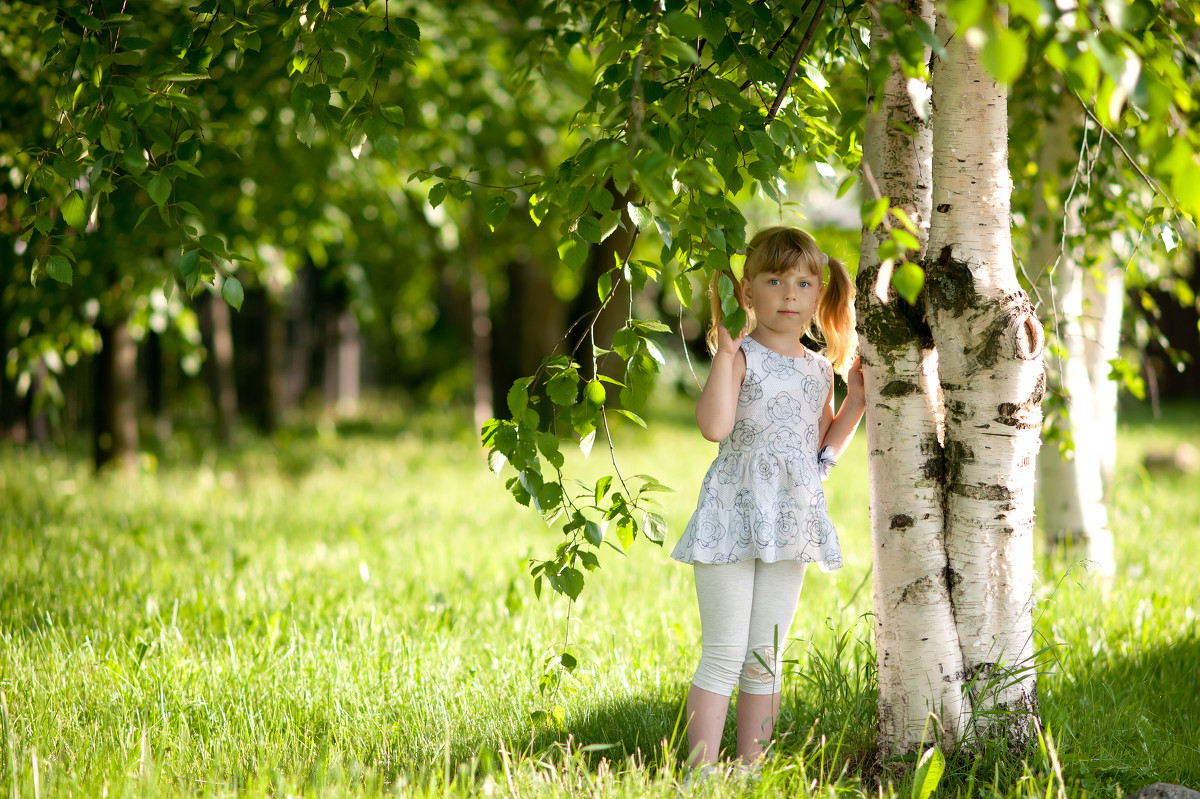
1070, 489
989, 345
920, 664
1104, 307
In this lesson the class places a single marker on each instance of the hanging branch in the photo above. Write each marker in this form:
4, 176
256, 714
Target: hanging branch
791, 75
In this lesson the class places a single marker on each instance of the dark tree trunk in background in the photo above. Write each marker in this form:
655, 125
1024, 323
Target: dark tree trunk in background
527, 326
1179, 325
220, 367
11, 410
155, 378
115, 430
299, 335
274, 343
256, 329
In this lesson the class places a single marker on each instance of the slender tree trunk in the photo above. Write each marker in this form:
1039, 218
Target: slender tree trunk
920, 663
989, 345
10, 404
1070, 488
115, 430
1104, 306
221, 373
154, 371
342, 361
481, 348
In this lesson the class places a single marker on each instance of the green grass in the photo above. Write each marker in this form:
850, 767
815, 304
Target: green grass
345, 611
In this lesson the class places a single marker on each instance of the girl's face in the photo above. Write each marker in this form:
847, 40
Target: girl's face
783, 303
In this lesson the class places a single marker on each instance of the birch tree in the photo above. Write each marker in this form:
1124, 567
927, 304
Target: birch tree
1070, 486
919, 659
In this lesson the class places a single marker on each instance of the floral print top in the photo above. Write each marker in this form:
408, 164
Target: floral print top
762, 496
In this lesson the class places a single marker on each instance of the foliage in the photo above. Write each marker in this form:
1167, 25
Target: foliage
342, 622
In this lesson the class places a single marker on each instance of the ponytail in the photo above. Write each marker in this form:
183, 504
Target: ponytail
714, 300
835, 318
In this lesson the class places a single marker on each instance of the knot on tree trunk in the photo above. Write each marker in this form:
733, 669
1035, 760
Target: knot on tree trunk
1027, 335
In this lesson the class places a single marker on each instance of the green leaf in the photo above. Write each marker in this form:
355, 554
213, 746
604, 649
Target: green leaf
595, 392
625, 533
602, 486
655, 527
75, 212
874, 211
189, 262
437, 194
625, 342
159, 188
632, 416
1004, 55
573, 251
640, 215
908, 280
496, 209
231, 290
594, 533
563, 388
59, 268
393, 114
135, 160
568, 661
518, 397
387, 147
571, 581
929, 772
181, 40
548, 444
306, 131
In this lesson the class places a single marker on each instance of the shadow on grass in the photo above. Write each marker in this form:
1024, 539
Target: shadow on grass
1129, 720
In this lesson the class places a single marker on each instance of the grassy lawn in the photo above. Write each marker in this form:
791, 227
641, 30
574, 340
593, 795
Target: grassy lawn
345, 611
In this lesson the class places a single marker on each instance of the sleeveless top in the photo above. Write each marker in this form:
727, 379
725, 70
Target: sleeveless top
762, 496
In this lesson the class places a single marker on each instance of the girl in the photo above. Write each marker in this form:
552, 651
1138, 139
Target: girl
761, 515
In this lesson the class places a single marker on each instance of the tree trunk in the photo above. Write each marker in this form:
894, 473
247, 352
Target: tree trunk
920, 663
221, 374
1070, 488
1104, 306
342, 360
155, 378
989, 345
481, 348
530, 323
115, 433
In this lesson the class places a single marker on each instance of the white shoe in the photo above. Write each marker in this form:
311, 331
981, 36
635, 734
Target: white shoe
705, 773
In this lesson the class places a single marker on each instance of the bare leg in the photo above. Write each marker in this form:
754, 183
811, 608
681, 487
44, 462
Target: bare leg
706, 722
755, 723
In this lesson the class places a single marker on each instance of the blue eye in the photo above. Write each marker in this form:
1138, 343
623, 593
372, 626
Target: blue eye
803, 284
774, 281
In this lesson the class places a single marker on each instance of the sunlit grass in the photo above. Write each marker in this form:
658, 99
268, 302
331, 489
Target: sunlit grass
345, 610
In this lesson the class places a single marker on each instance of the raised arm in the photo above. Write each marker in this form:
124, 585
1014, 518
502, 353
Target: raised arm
837, 429
717, 406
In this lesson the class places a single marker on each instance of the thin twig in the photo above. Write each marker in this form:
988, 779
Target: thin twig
808, 35
1149, 181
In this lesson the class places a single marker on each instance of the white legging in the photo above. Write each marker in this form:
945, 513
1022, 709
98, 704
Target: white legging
745, 608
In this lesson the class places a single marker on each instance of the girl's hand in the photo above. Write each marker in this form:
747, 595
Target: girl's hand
854, 381
726, 343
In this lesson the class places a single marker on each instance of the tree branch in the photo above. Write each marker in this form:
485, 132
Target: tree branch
787, 82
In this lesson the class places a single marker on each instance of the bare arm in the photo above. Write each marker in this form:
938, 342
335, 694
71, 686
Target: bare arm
717, 406
837, 429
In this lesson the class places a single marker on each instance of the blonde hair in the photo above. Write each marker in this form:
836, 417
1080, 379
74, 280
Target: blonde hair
778, 250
